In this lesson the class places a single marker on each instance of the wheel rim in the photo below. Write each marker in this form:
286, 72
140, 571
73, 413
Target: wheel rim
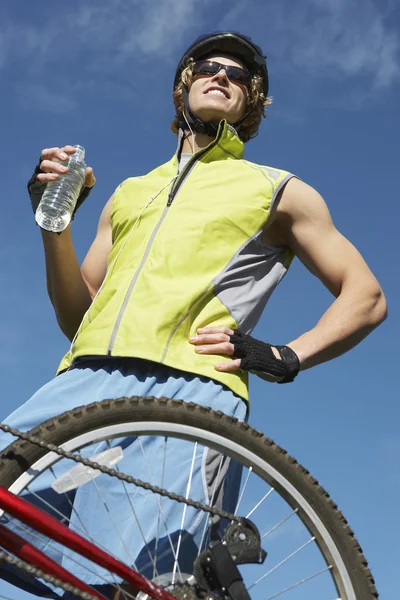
260, 467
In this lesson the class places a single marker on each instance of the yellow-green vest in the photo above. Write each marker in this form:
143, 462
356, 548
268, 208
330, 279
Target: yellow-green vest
187, 253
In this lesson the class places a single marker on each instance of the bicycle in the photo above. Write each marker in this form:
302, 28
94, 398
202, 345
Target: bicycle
247, 543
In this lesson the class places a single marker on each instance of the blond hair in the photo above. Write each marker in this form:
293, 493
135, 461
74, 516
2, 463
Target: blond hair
255, 104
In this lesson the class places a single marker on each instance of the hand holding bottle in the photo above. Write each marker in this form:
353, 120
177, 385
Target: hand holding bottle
53, 165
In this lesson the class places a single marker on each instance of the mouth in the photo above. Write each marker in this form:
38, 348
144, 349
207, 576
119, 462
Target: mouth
217, 91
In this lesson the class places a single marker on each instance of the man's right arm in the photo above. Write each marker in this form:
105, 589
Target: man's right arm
72, 288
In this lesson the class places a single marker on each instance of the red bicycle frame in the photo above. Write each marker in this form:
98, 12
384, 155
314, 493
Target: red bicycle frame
49, 526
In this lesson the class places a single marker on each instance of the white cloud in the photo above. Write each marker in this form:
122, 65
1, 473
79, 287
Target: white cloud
329, 38
162, 25
61, 53
38, 96
341, 38
22, 42
112, 29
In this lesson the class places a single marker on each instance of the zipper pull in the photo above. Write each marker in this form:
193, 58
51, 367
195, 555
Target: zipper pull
171, 190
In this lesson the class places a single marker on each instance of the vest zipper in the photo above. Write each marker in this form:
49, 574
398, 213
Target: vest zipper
133, 282
185, 173
172, 194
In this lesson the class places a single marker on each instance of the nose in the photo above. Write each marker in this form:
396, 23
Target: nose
221, 76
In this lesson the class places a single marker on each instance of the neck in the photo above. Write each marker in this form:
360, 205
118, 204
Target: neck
195, 142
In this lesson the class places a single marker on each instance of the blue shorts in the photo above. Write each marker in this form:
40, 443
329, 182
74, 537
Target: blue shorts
95, 380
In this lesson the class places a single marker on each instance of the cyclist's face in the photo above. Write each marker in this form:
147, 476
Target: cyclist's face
215, 97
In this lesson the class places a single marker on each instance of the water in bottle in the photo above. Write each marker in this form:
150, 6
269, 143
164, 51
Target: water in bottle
59, 198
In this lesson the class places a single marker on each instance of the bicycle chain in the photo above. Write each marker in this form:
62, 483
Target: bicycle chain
67, 587
127, 478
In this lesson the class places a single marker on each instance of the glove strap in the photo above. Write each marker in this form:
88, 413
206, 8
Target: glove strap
35, 188
258, 357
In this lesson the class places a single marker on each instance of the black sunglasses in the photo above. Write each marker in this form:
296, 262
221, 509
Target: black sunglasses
209, 67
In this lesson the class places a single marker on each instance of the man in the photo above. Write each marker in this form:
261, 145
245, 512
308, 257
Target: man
186, 257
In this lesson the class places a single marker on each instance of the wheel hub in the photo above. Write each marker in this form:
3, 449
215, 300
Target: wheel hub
185, 589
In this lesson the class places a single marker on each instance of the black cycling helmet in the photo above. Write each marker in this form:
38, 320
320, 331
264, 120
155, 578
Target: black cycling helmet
227, 42
224, 42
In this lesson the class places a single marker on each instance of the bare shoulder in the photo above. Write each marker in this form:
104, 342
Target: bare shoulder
299, 201
301, 215
296, 204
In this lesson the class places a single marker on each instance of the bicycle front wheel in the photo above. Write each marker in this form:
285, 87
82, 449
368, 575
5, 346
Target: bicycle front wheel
312, 552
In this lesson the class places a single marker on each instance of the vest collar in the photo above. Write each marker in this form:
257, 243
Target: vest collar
227, 144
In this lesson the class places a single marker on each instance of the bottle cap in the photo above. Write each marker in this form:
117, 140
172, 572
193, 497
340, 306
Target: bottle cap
79, 154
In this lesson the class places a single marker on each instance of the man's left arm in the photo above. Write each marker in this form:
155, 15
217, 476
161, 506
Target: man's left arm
304, 223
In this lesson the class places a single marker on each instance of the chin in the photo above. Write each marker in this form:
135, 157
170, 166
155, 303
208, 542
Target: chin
214, 115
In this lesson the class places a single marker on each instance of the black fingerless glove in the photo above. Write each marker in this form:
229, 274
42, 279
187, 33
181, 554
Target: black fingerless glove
257, 357
36, 189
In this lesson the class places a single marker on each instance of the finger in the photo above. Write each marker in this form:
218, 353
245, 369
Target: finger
90, 179
229, 367
57, 153
69, 149
48, 153
47, 177
225, 348
209, 338
50, 166
225, 330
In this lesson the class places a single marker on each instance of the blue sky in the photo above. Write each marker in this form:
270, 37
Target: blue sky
100, 73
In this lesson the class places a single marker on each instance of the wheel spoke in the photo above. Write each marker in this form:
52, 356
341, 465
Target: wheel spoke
275, 527
152, 558
243, 490
64, 517
83, 529
260, 503
210, 503
280, 564
127, 495
116, 528
299, 583
189, 484
159, 512
23, 529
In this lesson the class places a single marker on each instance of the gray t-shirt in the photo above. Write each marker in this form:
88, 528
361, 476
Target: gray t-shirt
183, 160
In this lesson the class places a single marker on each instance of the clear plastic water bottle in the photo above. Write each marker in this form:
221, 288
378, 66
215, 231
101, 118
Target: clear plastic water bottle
59, 198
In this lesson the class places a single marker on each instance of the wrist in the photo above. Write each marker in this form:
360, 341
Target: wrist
301, 354
46, 234
53, 241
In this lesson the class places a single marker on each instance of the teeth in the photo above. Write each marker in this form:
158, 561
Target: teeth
217, 92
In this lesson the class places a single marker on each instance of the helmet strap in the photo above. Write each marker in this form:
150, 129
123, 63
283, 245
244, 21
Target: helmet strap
199, 126
242, 120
